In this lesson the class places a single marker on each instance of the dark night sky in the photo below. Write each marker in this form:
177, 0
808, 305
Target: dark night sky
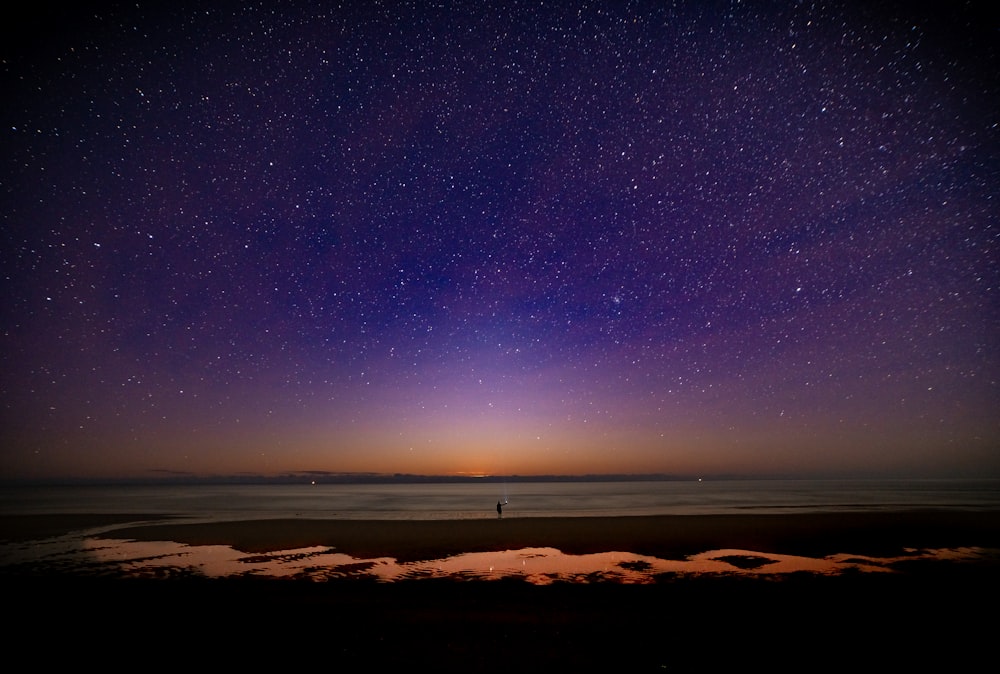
568, 237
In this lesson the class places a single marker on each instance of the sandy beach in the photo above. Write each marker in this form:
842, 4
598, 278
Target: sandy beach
802, 622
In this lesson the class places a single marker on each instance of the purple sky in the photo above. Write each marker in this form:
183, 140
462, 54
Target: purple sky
701, 238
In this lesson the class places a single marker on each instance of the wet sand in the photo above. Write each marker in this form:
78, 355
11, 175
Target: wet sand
925, 616
667, 537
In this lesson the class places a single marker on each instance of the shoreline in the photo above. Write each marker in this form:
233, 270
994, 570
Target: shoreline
670, 537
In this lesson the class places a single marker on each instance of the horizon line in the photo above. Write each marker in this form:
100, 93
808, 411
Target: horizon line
313, 477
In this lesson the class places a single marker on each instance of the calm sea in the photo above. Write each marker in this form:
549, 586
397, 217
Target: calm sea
524, 499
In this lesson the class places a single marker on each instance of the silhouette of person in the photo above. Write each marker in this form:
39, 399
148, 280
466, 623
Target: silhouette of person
499, 510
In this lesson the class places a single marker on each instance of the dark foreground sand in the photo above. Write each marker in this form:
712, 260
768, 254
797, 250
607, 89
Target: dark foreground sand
924, 617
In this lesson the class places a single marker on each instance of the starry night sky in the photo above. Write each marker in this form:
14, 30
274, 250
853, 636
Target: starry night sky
694, 238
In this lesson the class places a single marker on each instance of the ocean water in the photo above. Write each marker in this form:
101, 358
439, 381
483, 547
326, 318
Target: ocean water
524, 499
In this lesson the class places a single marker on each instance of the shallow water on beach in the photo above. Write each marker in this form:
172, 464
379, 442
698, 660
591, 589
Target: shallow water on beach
93, 553
539, 566
471, 500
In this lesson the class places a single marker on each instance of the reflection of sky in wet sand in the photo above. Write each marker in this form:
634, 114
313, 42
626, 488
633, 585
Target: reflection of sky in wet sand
88, 553
536, 565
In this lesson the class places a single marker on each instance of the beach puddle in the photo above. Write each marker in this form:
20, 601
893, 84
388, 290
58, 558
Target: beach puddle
539, 566
89, 553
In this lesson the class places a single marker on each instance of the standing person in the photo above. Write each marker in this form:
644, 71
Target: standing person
499, 510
